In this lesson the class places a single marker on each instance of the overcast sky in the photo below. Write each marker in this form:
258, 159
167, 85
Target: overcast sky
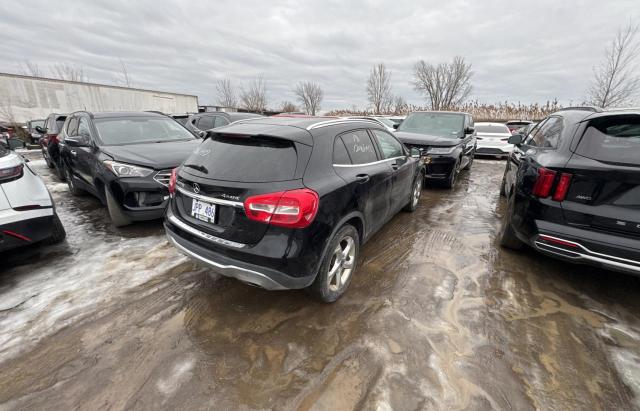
528, 51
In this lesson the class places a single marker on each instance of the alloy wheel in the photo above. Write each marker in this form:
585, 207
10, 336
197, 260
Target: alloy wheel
342, 263
417, 189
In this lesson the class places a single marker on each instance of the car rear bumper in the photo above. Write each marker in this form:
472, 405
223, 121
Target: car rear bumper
487, 148
191, 242
588, 247
24, 228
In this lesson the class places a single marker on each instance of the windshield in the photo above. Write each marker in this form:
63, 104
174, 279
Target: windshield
439, 124
135, 130
492, 129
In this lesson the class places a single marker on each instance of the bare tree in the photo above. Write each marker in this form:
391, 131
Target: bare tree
379, 89
616, 81
310, 95
225, 93
289, 107
125, 78
30, 68
66, 71
254, 98
400, 106
445, 85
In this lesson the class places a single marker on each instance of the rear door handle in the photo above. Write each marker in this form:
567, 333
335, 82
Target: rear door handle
395, 166
362, 178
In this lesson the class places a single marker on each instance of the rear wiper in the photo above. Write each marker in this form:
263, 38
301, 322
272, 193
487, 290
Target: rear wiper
198, 167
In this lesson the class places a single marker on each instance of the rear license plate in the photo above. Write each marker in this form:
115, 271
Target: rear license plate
203, 211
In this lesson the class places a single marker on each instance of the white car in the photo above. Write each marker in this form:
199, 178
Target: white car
492, 139
27, 212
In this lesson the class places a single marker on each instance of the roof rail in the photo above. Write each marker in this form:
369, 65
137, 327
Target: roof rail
341, 121
582, 108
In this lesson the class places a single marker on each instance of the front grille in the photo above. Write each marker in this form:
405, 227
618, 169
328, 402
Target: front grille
163, 177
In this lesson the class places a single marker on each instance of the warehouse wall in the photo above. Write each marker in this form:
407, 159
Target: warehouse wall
26, 98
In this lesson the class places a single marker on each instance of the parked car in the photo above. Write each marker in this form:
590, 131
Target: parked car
124, 159
516, 124
447, 141
493, 139
573, 189
299, 224
27, 212
33, 132
200, 122
49, 142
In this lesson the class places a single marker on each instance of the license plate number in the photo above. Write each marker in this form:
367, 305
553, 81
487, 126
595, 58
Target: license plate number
203, 211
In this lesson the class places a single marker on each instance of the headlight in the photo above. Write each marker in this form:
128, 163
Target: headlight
441, 150
127, 170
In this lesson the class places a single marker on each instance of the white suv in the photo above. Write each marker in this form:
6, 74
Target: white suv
27, 213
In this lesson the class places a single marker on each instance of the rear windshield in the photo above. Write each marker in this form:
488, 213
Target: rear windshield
246, 159
136, 130
492, 129
613, 140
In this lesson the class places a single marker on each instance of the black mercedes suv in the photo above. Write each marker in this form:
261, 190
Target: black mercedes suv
287, 202
447, 141
125, 159
573, 188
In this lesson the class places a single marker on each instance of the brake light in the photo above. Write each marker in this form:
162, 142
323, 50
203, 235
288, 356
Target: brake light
544, 182
563, 186
11, 172
172, 181
293, 209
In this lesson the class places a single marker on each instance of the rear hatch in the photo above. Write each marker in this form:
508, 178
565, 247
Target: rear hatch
604, 193
228, 168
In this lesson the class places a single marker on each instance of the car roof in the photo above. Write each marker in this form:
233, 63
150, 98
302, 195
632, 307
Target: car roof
290, 128
119, 114
440, 112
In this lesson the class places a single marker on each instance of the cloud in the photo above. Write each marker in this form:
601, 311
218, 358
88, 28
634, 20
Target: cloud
520, 51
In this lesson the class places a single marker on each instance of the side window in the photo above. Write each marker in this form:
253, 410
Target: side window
221, 121
72, 127
547, 135
206, 123
359, 146
340, 155
388, 144
83, 128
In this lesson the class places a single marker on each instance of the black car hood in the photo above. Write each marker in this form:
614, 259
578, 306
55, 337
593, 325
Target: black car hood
154, 155
426, 139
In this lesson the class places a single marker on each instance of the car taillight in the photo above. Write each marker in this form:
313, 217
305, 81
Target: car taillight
172, 181
293, 209
11, 172
563, 186
544, 182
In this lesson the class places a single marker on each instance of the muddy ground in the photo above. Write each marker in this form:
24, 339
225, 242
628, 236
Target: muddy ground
438, 316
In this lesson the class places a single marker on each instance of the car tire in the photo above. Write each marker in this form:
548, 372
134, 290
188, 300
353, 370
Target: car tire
470, 163
451, 181
73, 189
508, 237
58, 233
47, 159
342, 260
503, 185
416, 192
115, 212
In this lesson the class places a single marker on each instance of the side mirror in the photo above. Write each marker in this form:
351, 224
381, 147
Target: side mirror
415, 153
395, 126
41, 130
516, 139
469, 130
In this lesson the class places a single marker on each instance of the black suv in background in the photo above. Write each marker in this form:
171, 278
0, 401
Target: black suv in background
200, 122
124, 159
447, 141
286, 203
49, 141
573, 188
